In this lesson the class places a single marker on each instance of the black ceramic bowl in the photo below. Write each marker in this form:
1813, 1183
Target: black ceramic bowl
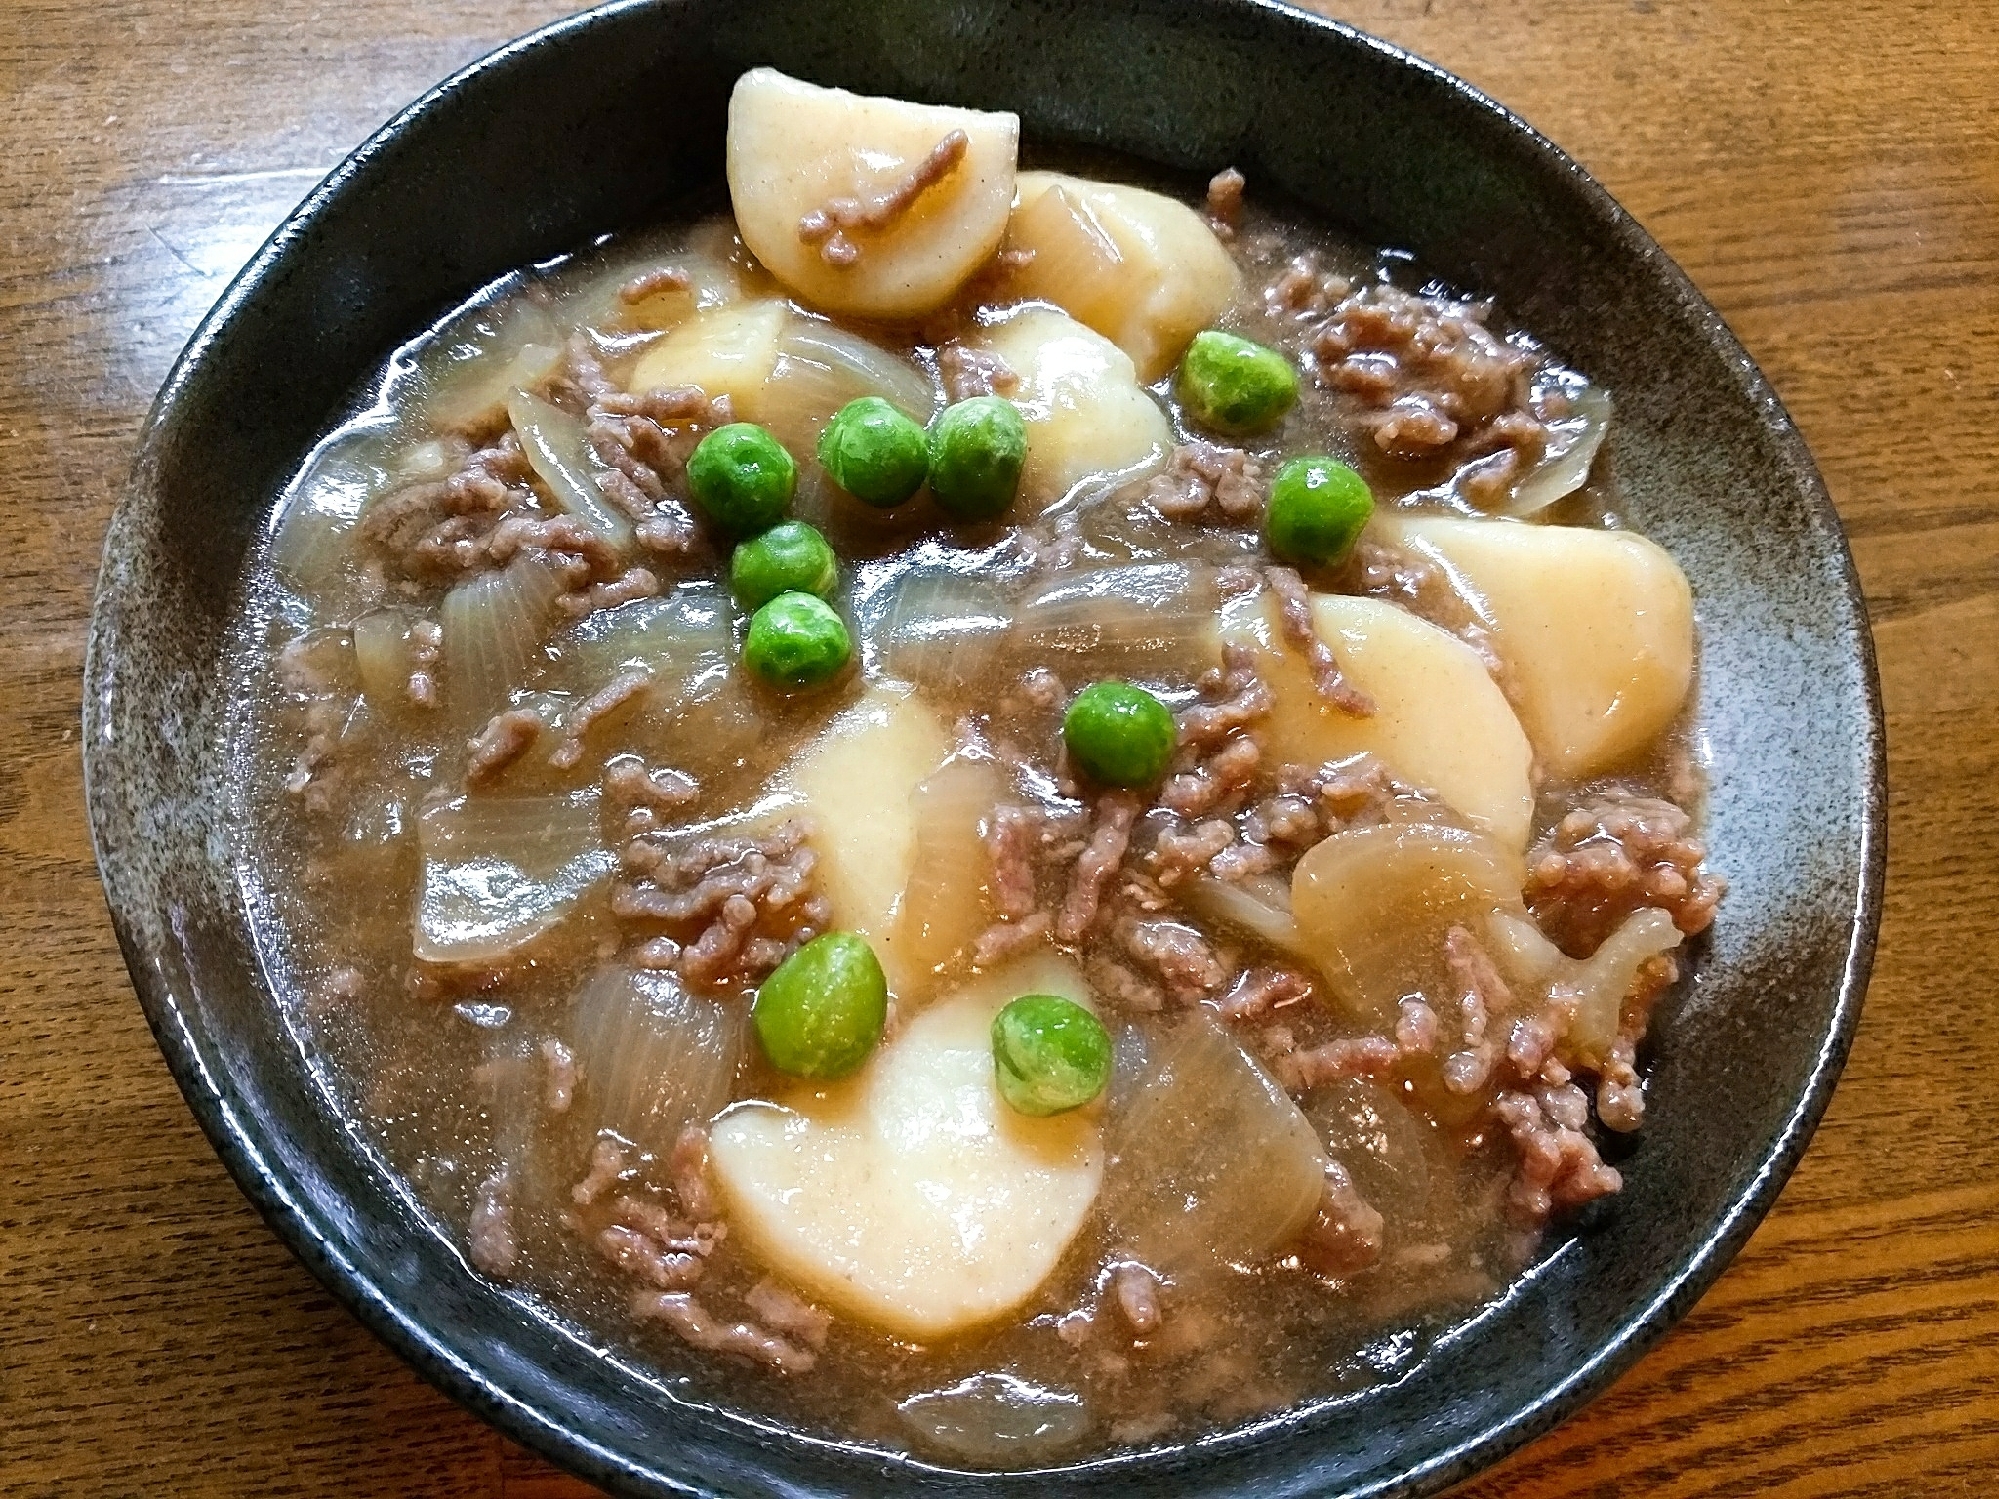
608, 119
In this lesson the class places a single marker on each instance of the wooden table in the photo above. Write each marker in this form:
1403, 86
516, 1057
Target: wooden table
1828, 173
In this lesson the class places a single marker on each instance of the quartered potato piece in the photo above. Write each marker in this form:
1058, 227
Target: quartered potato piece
1143, 270
1440, 723
1374, 905
1087, 416
859, 786
911, 1196
1596, 629
726, 351
796, 150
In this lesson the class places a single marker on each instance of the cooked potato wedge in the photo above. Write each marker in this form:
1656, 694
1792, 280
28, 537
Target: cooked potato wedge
727, 351
1440, 723
795, 149
1140, 268
1596, 629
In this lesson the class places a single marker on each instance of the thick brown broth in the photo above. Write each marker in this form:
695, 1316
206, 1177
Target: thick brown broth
455, 1072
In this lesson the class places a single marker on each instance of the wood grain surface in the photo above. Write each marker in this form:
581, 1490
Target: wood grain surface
1828, 173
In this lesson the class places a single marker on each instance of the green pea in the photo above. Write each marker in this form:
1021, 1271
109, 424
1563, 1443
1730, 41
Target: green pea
977, 448
1233, 385
796, 640
1120, 734
822, 1011
874, 452
742, 478
1050, 1054
1318, 508
791, 557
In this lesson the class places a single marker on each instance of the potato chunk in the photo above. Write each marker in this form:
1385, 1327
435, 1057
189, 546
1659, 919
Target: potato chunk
911, 1196
1596, 629
795, 149
1087, 416
1143, 270
726, 351
1440, 723
858, 786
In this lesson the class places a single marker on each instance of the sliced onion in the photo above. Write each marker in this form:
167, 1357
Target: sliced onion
1148, 615
1208, 1160
820, 368
1368, 1129
494, 626
936, 629
946, 903
686, 639
468, 373
654, 1057
1077, 264
1606, 976
1375, 903
559, 453
1260, 905
498, 871
382, 655
310, 549
996, 1420
1573, 441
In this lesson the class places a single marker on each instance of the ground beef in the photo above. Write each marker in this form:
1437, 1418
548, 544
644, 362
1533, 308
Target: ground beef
1612, 856
1407, 578
967, 372
640, 1256
426, 644
436, 530
490, 1239
1224, 202
688, 1167
1003, 939
697, 1328
1099, 860
645, 798
785, 1312
1345, 1235
649, 284
1483, 999
1013, 836
506, 737
1346, 1057
1186, 967
1620, 1096
613, 695
633, 583
1258, 991
1203, 788
559, 1087
1559, 1164
1237, 698
1204, 481
1180, 853
1434, 380
741, 905
833, 227
1295, 614
607, 1165
1417, 1028
1117, 984
1304, 291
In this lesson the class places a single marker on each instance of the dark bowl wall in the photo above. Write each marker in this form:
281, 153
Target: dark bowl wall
604, 121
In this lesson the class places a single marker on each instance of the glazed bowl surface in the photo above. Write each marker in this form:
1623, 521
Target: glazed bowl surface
610, 120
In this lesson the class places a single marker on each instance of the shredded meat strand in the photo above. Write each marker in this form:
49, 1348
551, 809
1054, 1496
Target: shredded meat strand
1295, 613
832, 227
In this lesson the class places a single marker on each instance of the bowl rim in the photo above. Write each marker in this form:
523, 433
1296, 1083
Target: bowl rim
376, 1308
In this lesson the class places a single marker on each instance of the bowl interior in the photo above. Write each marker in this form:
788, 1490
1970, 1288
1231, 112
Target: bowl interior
602, 122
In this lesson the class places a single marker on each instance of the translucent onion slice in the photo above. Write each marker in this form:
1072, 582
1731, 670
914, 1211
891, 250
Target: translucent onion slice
1177, 1193
498, 871
311, 549
1597, 984
1149, 615
382, 656
938, 630
1077, 264
1573, 441
947, 902
1368, 1129
559, 453
654, 1057
467, 374
1374, 905
494, 626
1260, 905
820, 368
685, 639
996, 1420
